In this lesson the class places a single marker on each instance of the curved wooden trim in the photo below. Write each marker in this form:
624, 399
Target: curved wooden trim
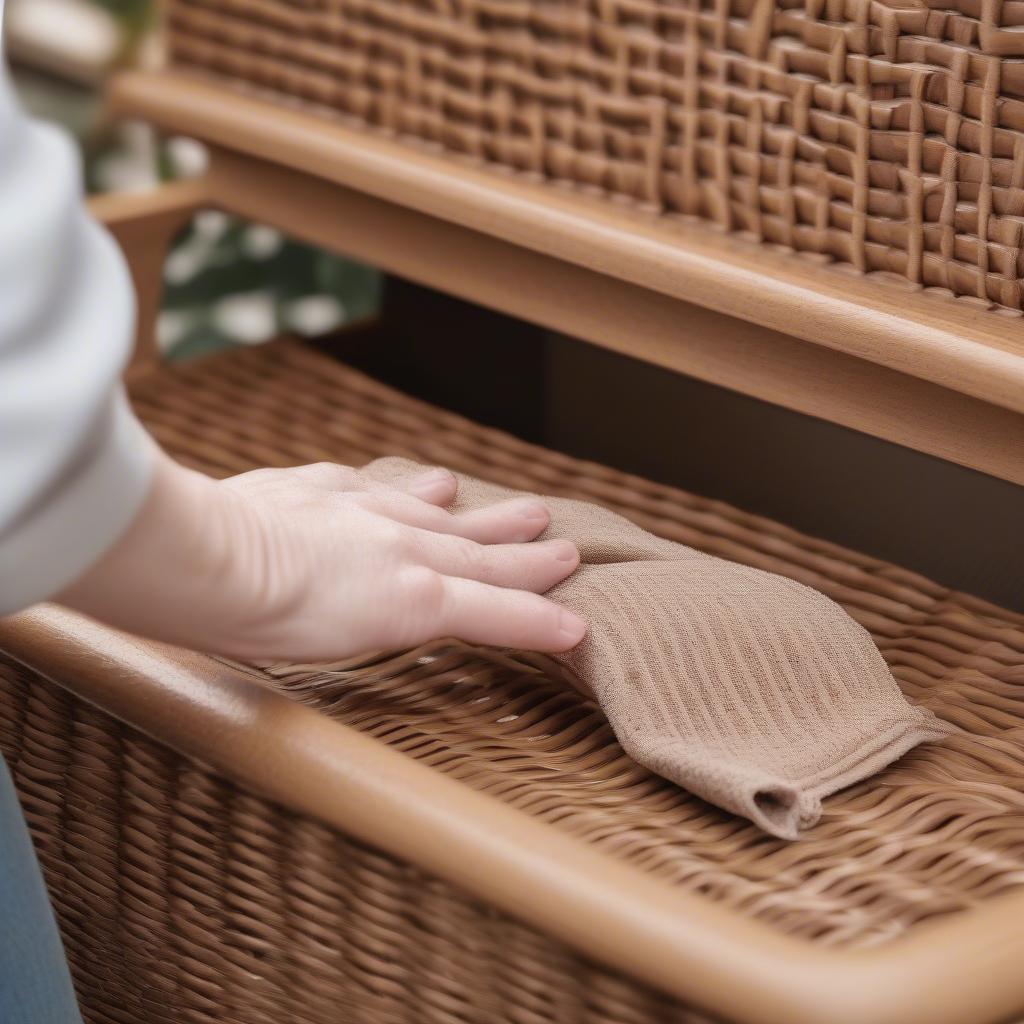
624, 317
946, 342
964, 970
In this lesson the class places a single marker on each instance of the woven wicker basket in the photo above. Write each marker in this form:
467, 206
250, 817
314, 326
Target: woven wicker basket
219, 853
882, 134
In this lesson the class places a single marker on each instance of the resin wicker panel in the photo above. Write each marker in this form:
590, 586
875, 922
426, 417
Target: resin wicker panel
884, 134
225, 907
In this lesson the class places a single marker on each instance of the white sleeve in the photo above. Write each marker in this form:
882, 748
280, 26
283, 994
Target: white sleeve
75, 464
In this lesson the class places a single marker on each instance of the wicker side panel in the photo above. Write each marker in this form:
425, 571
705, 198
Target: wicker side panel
184, 899
882, 134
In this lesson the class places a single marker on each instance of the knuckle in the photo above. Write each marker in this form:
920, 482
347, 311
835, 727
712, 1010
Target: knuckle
328, 473
417, 606
473, 559
422, 588
396, 540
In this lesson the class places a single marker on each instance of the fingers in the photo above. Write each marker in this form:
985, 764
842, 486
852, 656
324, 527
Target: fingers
436, 486
481, 614
536, 567
509, 522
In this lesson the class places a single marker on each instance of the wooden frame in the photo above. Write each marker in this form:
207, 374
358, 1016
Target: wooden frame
932, 373
144, 225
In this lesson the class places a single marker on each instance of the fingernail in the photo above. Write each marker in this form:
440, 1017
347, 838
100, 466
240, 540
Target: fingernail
571, 627
532, 511
565, 551
433, 480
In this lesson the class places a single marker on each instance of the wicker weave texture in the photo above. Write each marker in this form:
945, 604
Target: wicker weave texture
887, 135
223, 900
183, 900
936, 833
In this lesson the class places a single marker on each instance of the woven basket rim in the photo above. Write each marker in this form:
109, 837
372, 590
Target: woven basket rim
678, 942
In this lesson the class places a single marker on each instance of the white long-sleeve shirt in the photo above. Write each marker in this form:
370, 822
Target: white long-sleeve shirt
75, 464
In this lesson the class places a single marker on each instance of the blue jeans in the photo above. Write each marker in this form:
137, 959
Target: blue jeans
35, 985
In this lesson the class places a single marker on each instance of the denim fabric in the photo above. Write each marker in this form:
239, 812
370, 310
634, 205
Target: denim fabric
35, 985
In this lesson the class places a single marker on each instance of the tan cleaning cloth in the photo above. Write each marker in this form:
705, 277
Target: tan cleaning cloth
749, 689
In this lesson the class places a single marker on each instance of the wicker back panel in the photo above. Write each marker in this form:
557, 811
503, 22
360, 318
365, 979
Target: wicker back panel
183, 900
884, 134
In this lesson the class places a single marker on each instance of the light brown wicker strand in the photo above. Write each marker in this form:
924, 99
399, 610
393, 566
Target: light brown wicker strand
954, 809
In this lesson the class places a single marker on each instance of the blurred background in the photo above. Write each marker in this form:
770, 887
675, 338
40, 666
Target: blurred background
227, 282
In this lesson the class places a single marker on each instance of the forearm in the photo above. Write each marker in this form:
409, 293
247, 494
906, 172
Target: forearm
177, 573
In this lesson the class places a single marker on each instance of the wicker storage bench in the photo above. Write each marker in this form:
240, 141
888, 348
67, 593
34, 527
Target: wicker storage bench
450, 835
817, 204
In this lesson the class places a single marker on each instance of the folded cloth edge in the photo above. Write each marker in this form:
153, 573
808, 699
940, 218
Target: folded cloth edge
785, 807
781, 803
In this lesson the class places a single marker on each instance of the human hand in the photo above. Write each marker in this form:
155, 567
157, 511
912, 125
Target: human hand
320, 562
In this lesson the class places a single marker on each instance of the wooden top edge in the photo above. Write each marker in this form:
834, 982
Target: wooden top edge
948, 342
961, 970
